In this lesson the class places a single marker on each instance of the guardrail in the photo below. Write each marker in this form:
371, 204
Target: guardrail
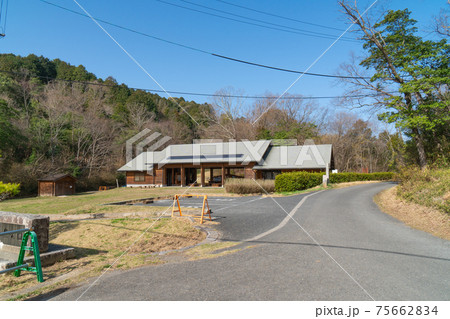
21, 266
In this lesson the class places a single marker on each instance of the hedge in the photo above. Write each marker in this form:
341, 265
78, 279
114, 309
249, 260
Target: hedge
356, 177
8, 190
296, 181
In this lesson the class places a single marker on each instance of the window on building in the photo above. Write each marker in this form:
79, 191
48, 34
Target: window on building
139, 177
237, 172
270, 174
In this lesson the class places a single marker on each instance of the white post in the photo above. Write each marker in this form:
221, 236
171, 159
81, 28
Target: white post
326, 177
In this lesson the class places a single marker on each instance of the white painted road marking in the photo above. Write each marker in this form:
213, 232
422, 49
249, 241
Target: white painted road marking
285, 220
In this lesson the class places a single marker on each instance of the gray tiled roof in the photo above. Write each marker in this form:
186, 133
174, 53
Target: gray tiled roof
238, 152
53, 178
143, 162
296, 157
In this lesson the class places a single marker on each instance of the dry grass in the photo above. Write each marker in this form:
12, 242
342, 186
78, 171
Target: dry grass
414, 215
98, 243
117, 234
249, 186
428, 187
213, 250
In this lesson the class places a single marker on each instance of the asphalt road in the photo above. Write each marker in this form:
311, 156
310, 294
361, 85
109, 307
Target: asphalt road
337, 246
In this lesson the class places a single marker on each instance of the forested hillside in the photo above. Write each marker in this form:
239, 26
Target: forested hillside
59, 118
52, 121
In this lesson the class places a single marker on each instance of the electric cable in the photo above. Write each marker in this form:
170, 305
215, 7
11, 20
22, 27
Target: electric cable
262, 21
279, 16
205, 51
294, 97
3, 25
250, 23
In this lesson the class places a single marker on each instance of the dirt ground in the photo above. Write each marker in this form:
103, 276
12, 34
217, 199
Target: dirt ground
103, 244
420, 217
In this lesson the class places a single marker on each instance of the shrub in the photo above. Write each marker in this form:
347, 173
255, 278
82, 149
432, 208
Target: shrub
296, 181
248, 186
357, 177
8, 190
21, 174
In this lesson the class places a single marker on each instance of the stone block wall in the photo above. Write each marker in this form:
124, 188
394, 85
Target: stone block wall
39, 224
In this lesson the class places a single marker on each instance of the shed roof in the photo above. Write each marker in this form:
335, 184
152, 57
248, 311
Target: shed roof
54, 178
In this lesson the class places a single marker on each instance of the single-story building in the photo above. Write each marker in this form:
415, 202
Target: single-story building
210, 164
56, 185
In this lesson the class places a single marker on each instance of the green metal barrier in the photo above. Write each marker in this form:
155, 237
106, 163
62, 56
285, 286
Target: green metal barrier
21, 266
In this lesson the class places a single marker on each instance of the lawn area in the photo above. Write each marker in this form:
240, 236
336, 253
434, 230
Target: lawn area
91, 202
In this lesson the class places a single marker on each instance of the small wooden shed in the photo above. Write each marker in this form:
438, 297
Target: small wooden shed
56, 185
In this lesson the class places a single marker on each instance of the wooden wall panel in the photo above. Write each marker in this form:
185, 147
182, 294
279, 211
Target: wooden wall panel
45, 188
149, 179
249, 172
65, 186
159, 176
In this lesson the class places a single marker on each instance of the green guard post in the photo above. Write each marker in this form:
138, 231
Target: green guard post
37, 258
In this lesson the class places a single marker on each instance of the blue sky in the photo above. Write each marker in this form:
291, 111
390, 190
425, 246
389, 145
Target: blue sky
36, 27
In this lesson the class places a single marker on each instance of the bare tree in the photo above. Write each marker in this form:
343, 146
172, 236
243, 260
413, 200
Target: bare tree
441, 23
55, 103
139, 117
85, 112
176, 130
101, 139
266, 115
228, 116
342, 123
20, 94
355, 145
290, 117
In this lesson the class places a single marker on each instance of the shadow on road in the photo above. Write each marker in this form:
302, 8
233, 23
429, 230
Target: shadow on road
335, 246
48, 295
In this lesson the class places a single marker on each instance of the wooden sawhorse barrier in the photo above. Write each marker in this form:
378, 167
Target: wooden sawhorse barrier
176, 207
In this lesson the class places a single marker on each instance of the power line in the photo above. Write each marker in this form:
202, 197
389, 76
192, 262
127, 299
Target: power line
6, 15
290, 71
1, 11
193, 93
246, 22
279, 16
312, 33
3, 25
127, 29
204, 51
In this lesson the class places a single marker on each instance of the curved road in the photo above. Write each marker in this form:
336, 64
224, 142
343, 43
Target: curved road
337, 246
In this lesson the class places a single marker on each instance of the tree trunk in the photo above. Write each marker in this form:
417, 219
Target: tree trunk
420, 148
